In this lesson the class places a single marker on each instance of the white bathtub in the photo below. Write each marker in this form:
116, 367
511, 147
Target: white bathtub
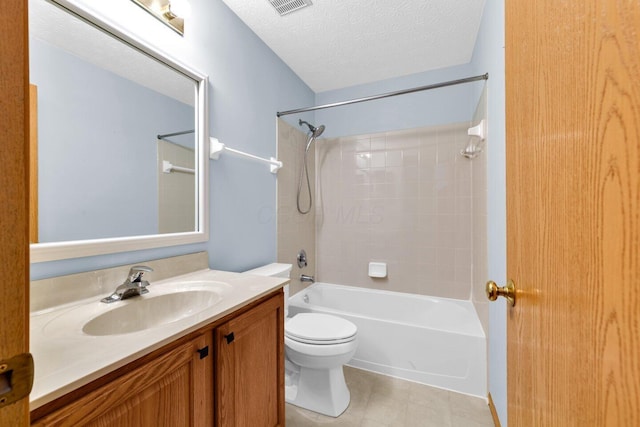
434, 341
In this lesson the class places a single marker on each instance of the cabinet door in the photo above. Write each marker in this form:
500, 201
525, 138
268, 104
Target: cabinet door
250, 368
174, 389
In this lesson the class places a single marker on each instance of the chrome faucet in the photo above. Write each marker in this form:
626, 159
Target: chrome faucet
305, 278
133, 286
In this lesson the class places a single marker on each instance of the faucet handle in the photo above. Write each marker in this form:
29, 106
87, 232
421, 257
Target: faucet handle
136, 272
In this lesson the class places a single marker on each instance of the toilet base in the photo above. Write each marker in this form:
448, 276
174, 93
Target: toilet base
322, 390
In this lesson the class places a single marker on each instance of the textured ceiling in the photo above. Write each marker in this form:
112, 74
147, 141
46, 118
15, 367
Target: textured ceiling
339, 43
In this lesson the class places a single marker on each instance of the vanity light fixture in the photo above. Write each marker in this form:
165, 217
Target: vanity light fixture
171, 12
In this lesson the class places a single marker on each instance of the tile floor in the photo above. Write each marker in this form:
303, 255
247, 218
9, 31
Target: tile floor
378, 400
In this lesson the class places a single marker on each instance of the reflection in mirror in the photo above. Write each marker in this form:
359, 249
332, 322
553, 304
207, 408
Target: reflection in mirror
101, 107
171, 13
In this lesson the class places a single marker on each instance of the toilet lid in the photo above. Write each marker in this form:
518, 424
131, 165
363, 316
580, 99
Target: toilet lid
317, 327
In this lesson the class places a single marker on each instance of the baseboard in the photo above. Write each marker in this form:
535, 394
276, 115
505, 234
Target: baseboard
494, 413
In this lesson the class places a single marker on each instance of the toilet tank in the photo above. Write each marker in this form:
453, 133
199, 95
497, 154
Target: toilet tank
276, 270
272, 270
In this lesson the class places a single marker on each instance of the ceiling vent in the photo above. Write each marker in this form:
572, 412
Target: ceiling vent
287, 6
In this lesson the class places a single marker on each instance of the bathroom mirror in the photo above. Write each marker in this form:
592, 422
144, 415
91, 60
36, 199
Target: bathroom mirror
121, 135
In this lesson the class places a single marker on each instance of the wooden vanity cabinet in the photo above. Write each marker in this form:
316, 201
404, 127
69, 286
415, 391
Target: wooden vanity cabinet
229, 374
172, 390
250, 368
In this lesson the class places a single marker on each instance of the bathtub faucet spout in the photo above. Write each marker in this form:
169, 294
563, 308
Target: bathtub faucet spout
305, 278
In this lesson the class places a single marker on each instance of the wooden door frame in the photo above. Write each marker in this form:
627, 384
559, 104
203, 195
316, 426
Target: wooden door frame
14, 187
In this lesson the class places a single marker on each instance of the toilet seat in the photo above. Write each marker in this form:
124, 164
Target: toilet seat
321, 351
320, 329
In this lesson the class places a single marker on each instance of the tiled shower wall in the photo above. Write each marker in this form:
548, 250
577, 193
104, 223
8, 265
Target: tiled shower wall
295, 231
404, 198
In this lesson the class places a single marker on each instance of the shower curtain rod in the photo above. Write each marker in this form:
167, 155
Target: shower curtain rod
184, 132
387, 95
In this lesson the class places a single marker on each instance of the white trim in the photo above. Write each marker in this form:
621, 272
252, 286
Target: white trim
42, 252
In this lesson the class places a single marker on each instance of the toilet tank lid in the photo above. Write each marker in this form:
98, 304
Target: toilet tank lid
272, 270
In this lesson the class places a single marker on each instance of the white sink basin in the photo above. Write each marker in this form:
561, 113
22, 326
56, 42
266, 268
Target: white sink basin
163, 304
151, 312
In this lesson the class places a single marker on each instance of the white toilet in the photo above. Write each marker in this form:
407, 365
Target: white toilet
316, 347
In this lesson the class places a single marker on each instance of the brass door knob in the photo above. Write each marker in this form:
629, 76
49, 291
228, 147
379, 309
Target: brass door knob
508, 291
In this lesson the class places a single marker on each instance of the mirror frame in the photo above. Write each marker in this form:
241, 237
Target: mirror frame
42, 252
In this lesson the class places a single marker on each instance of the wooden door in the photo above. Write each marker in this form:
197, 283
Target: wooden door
175, 389
250, 368
14, 240
573, 232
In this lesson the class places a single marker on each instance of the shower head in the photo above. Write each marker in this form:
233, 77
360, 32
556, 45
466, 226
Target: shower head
315, 131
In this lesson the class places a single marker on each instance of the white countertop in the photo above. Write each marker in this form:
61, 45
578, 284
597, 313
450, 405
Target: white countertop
66, 358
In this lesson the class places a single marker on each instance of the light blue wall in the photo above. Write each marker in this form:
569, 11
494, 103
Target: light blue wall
248, 85
489, 57
92, 173
438, 106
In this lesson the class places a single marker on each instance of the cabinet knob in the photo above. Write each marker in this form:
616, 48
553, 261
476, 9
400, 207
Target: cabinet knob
203, 352
230, 337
